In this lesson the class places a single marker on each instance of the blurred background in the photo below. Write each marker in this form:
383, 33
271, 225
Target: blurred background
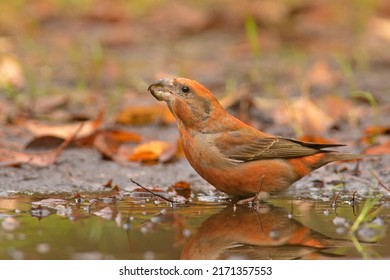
317, 70
74, 50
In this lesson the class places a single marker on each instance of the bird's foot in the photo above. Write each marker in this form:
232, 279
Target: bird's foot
259, 198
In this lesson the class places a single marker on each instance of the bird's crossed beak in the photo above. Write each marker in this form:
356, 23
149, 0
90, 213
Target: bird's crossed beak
162, 89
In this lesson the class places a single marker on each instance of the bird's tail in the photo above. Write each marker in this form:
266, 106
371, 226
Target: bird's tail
330, 157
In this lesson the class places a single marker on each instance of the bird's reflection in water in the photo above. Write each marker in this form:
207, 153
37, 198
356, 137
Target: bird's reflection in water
265, 232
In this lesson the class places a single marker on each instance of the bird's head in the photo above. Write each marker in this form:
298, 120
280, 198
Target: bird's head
191, 103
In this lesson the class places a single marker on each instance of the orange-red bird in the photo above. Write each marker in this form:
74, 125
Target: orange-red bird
256, 233
231, 155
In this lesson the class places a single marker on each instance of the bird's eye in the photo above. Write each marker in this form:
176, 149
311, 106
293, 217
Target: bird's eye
185, 89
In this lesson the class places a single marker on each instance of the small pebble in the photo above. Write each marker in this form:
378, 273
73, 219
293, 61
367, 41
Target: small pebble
339, 221
326, 212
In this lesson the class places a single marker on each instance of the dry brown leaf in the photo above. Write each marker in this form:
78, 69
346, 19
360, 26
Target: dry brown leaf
145, 115
149, 151
316, 139
63, 131
44, 143
382, 149
182, 188
109, 141
41, 159
305, 115
375, 130
122, 136
123, 153
371, 132
107, 146
171, 152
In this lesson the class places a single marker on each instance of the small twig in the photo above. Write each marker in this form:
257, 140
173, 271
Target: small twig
353, 201
381, 182
356, 170
257, 197
334, 203
259, 220
92, 202
152, 192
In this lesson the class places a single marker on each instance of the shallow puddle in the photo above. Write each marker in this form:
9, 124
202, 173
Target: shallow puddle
141, 226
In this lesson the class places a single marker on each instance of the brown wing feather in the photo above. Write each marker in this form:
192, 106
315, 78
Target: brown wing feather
241, 146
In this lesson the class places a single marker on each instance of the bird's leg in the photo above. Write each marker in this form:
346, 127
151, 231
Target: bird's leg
258, 198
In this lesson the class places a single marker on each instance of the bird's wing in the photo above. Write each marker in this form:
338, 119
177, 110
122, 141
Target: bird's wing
241, 146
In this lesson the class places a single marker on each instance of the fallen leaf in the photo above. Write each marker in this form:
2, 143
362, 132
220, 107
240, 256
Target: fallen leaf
123, 153
144, 115
382, 149
182, 188
63, 131
122, 136
13, 158
149, 151
171, 152
372, 132
375, 130
316, 139
44, 143
108, 184
108, 142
